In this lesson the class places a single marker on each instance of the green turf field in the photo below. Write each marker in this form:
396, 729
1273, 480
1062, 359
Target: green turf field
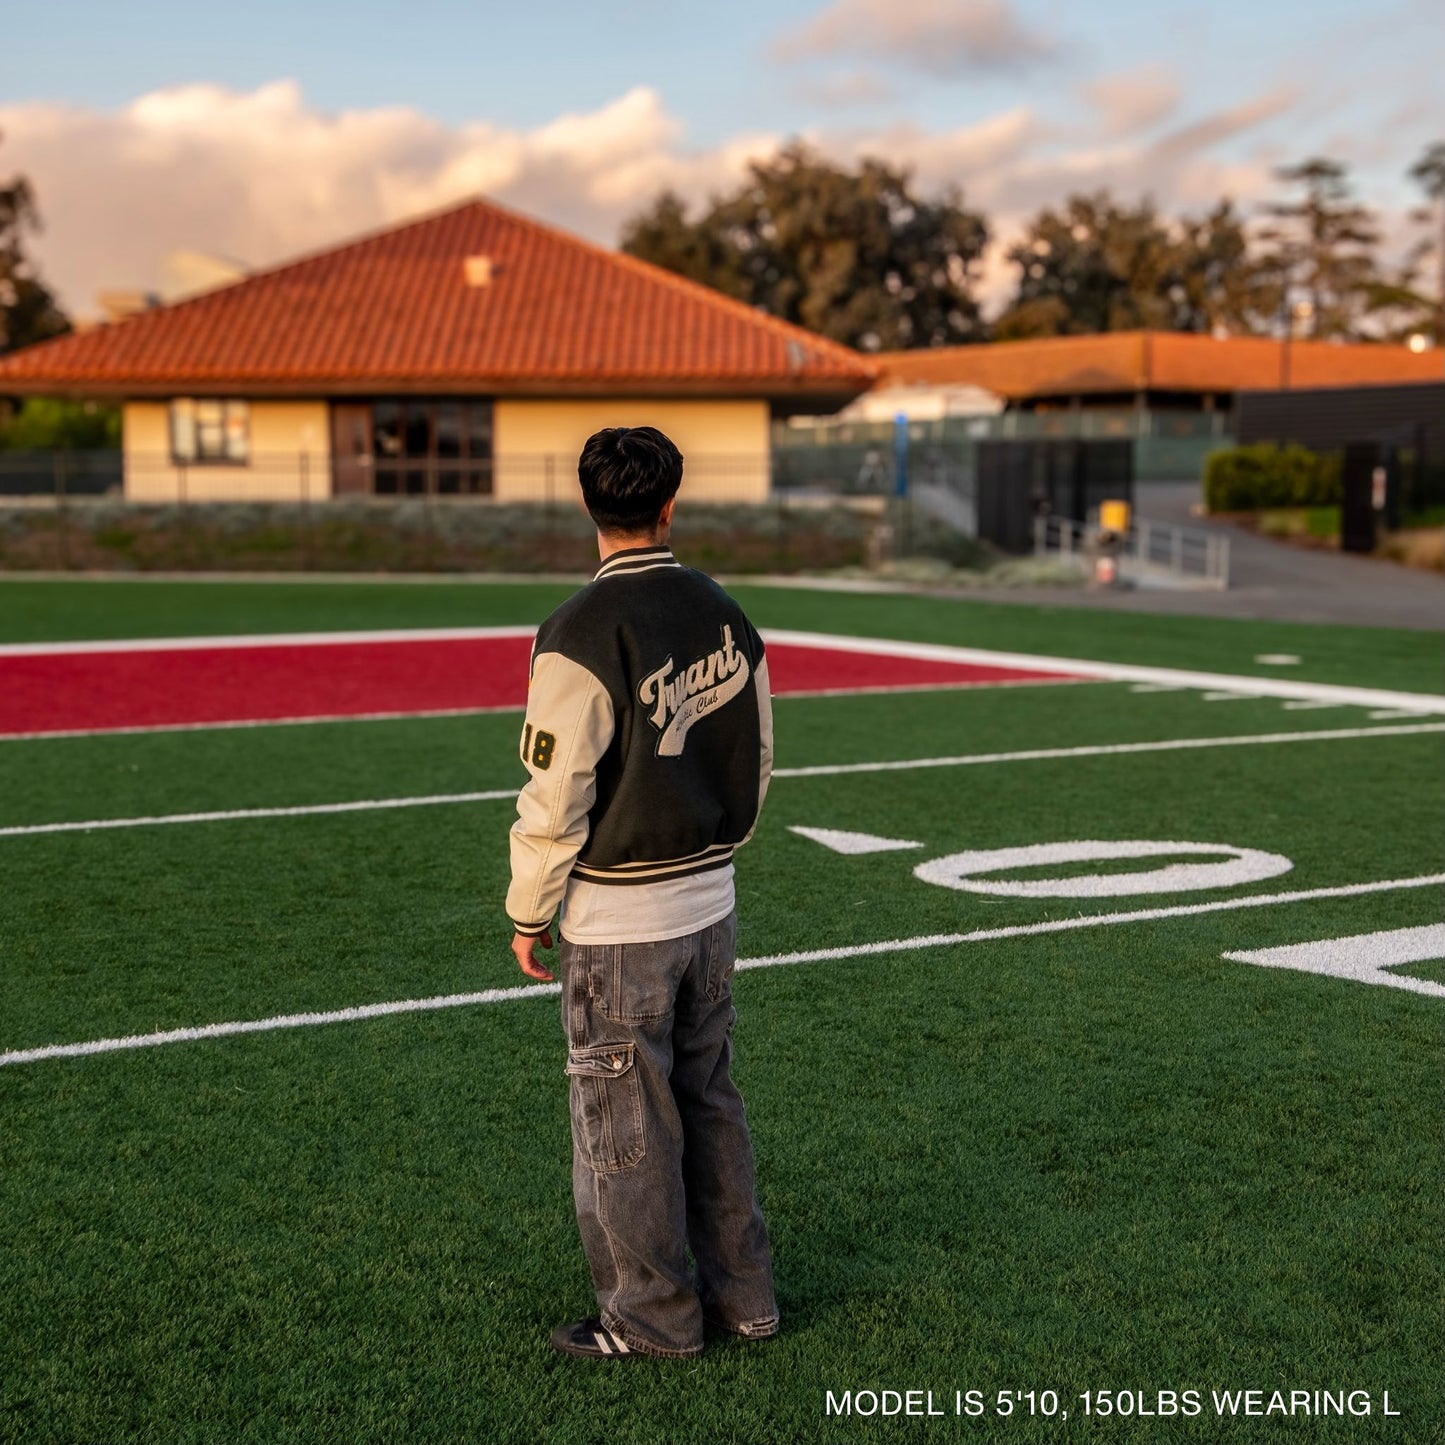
1087, 1158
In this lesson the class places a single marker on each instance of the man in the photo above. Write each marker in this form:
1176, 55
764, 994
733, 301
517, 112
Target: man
648, 740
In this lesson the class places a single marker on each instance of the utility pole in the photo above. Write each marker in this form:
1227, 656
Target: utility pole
1286, 321
1284, 328
1429, 173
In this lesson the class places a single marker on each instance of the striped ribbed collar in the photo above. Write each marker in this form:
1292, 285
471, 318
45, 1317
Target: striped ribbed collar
636, 559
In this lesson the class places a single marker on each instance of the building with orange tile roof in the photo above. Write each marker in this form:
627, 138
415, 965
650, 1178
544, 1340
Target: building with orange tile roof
470, 351
1152, 368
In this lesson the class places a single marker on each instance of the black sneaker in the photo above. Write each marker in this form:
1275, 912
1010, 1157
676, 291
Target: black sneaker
591, 1340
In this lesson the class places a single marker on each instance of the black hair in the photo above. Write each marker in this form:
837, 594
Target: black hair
628, 474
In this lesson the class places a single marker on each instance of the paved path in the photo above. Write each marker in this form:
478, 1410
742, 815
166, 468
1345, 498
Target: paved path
1267, 579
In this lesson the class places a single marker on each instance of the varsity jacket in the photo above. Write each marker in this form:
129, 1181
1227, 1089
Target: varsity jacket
648, 746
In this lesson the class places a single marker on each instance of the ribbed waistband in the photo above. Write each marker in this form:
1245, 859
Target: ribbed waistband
717, 856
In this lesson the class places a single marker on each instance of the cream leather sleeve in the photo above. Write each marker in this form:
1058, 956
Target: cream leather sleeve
568, 727
765, 734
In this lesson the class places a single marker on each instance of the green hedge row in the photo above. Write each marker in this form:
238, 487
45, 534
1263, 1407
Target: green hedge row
1247, 479
408, 536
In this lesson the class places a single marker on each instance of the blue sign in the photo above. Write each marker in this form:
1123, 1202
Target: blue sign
900, 455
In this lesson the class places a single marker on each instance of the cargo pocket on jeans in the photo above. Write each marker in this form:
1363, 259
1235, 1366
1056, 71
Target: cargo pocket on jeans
606, 1100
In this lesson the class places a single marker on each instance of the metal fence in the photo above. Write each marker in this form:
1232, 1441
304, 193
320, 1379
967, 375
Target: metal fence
280, 512
60, 474
860, 456
304, 476
1151, 553
840, 495
1064, 477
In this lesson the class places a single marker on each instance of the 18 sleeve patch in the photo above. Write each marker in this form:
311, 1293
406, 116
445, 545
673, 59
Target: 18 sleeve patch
538, 750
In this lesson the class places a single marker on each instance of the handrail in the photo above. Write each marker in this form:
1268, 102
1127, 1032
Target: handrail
1157, 547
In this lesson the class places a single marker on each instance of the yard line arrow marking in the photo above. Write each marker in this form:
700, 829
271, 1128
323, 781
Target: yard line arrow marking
1363, 957
852, 843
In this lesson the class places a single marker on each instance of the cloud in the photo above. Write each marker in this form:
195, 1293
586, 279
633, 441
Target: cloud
1179, 170
1133, 101
967, 156
1222, 125
848, 88
942, 38
261, 176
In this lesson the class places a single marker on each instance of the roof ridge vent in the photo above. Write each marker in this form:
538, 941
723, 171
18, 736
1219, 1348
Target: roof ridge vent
478, 270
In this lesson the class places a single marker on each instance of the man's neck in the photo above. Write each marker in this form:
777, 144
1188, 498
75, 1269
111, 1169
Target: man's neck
609, 544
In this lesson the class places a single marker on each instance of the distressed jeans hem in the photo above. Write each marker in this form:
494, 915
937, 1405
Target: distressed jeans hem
760, 1329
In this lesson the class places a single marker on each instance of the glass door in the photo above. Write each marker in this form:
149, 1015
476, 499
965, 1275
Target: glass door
413, 447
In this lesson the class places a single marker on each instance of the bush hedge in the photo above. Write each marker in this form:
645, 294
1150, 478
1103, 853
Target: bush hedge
1250, 478
408, 536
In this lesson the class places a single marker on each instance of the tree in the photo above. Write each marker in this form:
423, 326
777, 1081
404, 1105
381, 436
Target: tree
1099, 265
28, 312
701, 252
1092, 266
1218, 283
856, 256
1426, 314
47, 423
1324, 241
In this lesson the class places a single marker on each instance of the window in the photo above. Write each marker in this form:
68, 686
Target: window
433, 448
207, 429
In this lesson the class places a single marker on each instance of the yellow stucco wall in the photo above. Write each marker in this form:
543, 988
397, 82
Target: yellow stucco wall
280, 432
724, 444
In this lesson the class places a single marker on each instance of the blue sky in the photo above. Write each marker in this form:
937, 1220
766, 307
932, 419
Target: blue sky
579, 111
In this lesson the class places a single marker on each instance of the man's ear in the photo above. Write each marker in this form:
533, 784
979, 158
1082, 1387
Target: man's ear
664, 517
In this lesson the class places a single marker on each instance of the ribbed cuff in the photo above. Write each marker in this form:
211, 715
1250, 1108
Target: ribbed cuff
531, 930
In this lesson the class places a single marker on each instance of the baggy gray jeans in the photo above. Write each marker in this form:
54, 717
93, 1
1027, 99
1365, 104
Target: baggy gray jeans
661, 1156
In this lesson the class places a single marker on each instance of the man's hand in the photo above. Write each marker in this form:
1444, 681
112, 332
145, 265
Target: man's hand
528, 961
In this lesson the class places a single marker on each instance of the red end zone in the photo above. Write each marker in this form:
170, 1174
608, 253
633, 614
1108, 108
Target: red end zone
194, 684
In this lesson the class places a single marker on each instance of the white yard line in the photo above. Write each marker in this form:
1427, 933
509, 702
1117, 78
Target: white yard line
236, 815
262, 639
1101, 750
819, 770
263, 722
1121, 672
775, 960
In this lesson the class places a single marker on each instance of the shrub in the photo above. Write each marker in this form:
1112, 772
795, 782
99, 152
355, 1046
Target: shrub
45, 424
407, 536
1250, 478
